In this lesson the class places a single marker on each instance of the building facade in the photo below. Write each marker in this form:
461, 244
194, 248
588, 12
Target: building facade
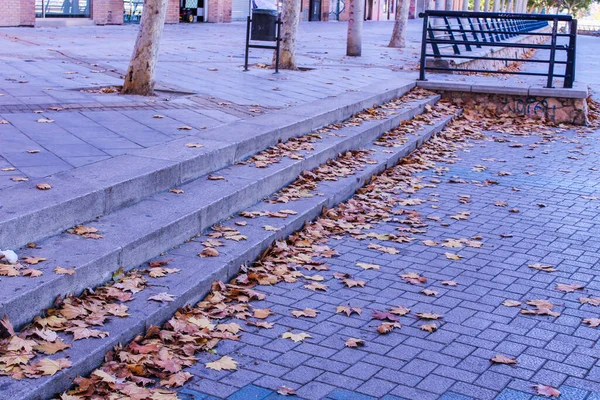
115, 12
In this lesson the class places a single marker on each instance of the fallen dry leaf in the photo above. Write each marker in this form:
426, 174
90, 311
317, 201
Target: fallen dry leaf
593, 322
428, 292
177, 191
354, 342
540, 267
43, 186
296, 337
262, 313
511, 303
452, 256
428, 327
387, 327
547, 391
563, 287
224, 363
367, 266
449, 283
162, 297
33, 260
63, 271
348, 310
286, 391
500, 359
307, 312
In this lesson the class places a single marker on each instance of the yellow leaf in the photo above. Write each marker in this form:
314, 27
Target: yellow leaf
224, 363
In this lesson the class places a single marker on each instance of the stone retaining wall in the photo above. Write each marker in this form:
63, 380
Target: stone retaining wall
550, 109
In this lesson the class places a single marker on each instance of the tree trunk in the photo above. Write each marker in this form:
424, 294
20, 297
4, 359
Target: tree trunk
290, 16
449, 5
355, 23
486, 6
398, 39
477, 5
140, 75
465, 5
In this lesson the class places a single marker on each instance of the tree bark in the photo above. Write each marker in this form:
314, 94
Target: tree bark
290, 16
140, 75
449, 5
355, 23
398, 39
486, 6
477, 5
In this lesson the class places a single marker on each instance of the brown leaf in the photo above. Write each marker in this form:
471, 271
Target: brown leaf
296, 337
215, 178
162, 297
50, 367
388, 250
351, 283
224, 363
511, 303
316, 286
348, 310
85, 333
413, 278
286, 391
540, 267
366, 266
43, 186
177, 191
500, 359
261, 324
19, 179
177, 379
63, 271
430, 243
593, 322
452, 256
449, 283
428, 292
354, 342
33, 273
429, 316
307, 312
594, 301
429, 327
262, 313
209, 252
563, 287
33, 260
384, 315
400, 310
547, 391
51, 347
387, 327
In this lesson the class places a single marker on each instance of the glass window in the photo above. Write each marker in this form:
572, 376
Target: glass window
62, 8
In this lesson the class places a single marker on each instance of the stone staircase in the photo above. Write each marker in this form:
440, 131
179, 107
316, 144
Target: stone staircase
128, 200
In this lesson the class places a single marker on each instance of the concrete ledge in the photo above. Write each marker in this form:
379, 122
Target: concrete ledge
577, 92
197, 275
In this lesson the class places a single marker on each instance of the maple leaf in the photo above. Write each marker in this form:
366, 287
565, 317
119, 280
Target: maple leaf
452, 256
232, 328
400, 310
511, 303
63, 271
16, 344
387, 327
430, 243
159, 263
428, 328
593, 322
594, 301
546, 391
367, 266
262, 313
449, 283
209, 252
428, 292
53, 347
286, 391
429, 316
33, 273
33, 260
270, 228
413, 278
296, 337
50, 367
563, 287
85, 333
104, 376
177, 191
540, 267
162, 297
177, 379
388, 250
8, 270
316, 286
354, 342
500, 359
261, 324
452, 243
224, 363
43, 186
307, 312
348, 310
384, 315
8, 326
351, 283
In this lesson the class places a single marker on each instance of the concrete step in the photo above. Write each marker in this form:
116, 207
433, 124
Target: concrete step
29, 215
141, 231
197, 274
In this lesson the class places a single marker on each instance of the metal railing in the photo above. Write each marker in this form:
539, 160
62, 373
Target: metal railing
457, 35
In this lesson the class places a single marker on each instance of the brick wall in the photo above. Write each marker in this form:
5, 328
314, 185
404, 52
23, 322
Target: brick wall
107, 12
172, 12
219, 10
17, 12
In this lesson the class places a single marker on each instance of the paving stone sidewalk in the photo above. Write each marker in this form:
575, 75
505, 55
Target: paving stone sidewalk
555, 225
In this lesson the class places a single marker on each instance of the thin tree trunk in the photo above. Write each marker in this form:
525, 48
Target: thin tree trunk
486, 6
477, 5
449, 5
398, 39
290, 17
465, 6
140, 75
355, 23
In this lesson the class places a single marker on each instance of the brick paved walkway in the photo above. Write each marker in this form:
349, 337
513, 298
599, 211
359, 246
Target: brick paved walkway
556, 225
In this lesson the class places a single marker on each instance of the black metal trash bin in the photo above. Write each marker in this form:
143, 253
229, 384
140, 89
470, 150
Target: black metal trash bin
264, 23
